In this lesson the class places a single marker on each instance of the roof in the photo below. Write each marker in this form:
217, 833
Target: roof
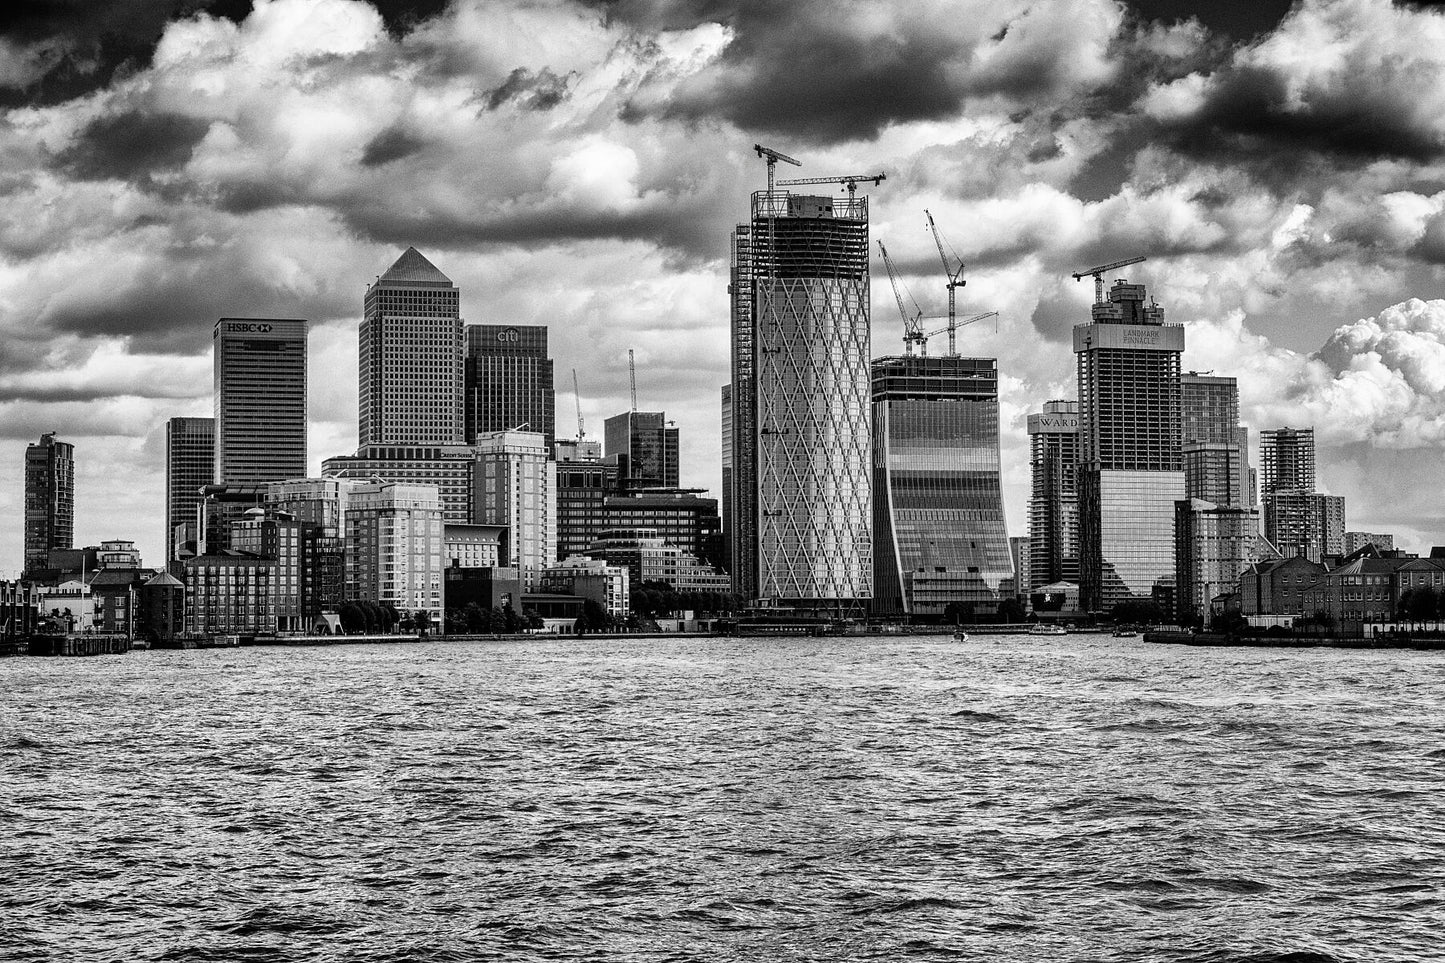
119, 576
412, 266
165, 579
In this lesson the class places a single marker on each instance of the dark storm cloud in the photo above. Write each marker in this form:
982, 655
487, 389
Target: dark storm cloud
95, 41
815, 73
522, 88
392, 144
1248, 112
129, 145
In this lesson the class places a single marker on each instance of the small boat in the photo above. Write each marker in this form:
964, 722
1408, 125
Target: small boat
1042, 629
1125, 634
959, 635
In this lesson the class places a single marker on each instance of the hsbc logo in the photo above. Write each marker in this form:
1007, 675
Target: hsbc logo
248, 327
509, 336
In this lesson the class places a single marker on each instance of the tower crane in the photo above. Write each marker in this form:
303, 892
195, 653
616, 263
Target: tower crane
850, 181
577, 394
1100, 271
632, 376
953, 325
911, 326
772, 157
954, 280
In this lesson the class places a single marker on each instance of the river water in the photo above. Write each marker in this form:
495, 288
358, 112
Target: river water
1013, 798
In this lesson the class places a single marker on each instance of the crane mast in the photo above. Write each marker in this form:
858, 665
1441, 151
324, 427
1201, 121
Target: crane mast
632, 376
954, 280
577, 394
910, 325
772, 157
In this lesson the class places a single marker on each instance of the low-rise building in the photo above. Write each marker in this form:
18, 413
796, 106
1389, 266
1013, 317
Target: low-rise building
591, 578
1278, 586
649, 558
229, 593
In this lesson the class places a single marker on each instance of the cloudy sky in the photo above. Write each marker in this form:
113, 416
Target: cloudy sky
579, 163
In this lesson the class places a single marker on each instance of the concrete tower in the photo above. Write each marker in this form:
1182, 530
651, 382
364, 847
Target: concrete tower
49, 499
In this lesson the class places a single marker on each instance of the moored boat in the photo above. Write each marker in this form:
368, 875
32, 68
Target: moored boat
1042, 629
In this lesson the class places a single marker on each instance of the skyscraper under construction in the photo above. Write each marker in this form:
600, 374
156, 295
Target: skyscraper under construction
801, 531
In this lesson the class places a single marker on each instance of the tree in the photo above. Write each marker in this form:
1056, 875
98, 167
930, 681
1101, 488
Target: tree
421, 618
1011, 610
594, 618
1138, 611
352, 617
1424, 604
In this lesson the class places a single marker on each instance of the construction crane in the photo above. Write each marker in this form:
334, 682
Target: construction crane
911, 326
632, 376
951, 327
850, 181
1099, 272
577, 394
954, 280
772, 157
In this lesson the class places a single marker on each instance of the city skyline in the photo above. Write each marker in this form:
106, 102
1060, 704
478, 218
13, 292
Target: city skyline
1268, 263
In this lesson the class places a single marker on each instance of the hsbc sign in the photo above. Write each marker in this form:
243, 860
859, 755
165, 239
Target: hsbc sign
248, 327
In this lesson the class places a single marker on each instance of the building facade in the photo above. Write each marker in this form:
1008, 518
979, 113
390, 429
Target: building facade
1354, 541
647, 557
259, 383
937, 495
49, 499
516, 486
1213, 545
228, 593
583, 489
190, 466
410, 389
508, 381
1054, 496
394, 546
644, 447
1131, 464
801, 403
591, 578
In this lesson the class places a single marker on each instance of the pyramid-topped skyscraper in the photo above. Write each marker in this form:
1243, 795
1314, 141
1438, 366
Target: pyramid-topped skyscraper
411, 353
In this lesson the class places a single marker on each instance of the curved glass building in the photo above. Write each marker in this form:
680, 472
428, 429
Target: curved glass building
938, 515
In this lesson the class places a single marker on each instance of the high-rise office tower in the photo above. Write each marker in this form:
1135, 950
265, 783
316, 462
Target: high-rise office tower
49, 498
1215, 444
938, 520
260, 400
644, 447
1054, 498
801, 403
508, 381
190, 466
411, 358
1131, 465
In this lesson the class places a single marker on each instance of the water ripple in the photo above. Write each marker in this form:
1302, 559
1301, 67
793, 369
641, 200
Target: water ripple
724, 800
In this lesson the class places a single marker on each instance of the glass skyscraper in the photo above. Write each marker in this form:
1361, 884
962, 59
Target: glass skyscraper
644, 447
260, 400
190, 466
508, 381
938, 519
1131, 465
410, 378
802, 511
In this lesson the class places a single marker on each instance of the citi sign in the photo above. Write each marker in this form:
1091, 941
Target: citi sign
248, 327
509, 336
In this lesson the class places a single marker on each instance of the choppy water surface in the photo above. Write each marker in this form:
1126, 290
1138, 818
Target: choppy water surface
828, 799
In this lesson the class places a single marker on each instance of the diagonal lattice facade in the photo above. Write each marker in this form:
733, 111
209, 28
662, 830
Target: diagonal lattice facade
801, 404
